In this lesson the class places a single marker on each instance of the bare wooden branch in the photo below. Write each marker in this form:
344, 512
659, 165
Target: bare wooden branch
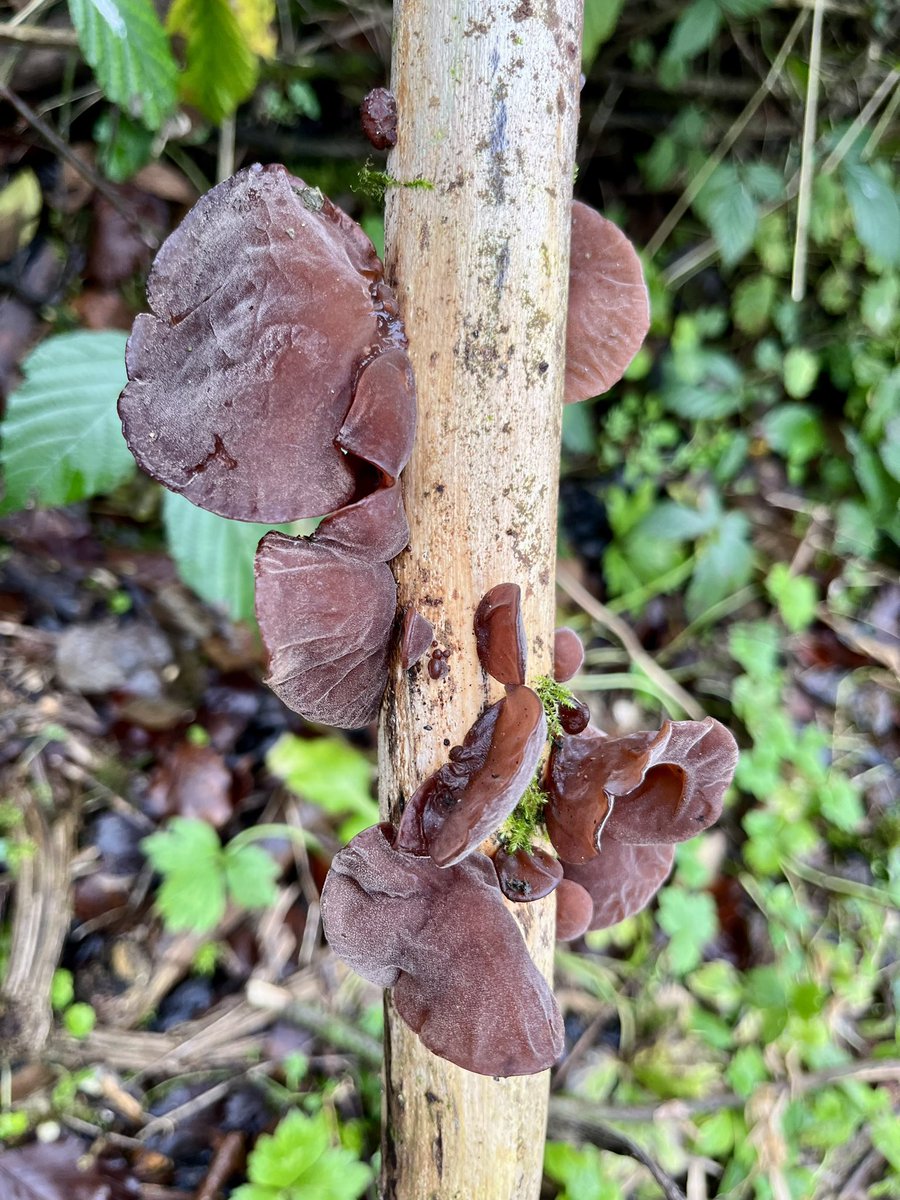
488, 104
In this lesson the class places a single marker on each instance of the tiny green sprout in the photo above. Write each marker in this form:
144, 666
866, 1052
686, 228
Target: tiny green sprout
62, 989
196, 735
373, 183
554, 696
206, 958
80, 1019
13, 1125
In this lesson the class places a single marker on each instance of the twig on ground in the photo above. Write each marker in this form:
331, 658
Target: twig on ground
636, 652
604, 1137
38, 35
226, 1161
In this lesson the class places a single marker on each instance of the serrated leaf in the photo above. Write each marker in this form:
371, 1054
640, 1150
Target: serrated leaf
127, 48
221, 68
724, 564
600, 20
690, 920
727, 206
188, 855
876, 210
214, 555
250, 875
61, 437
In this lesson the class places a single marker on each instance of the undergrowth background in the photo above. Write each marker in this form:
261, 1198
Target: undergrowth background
732, 508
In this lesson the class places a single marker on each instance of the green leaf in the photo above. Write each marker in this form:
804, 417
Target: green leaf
727, 206
127, 47
840, 802
885, 1134
188, 855
326, 771
214, 555
250, 876
794, 431
724, 564
600, 20
875, 208
880, 300
694, 31
580, 1171
801, 370
690, 920
62, 989
747, 1070
795, 595
123, 146
62, 440
79, 1020
752, 303
298, 1162
677, 522
221, 68
703, 385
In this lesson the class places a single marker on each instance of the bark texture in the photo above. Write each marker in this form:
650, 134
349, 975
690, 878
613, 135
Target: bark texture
487, 97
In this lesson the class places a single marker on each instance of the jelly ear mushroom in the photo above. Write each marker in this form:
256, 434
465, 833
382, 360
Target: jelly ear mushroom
469, 797
525, 876
500, 634
643, 788
326, 619
568, 654
461, 975
266, 300
416, 635
609, 309
574, 911
621, 880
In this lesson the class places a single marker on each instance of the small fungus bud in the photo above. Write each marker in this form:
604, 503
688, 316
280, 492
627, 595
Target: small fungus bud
500, 634
568, 654
524, 877
574, 911
378, 113
415, 637
574, 717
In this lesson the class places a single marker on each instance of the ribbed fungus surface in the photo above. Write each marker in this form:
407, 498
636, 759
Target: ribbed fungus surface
642, 788
622, 879
525, 876
327, 620
265, 306
500, 634
470, 796
609, 309
442, 939
568, 654
271, 382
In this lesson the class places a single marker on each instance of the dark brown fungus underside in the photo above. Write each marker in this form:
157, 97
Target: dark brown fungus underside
442, 938
609, 309
416, 635
500, 634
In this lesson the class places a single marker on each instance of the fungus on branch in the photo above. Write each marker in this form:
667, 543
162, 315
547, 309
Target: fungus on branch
500, 634
461, 975
568, 654
525, 876
622, 879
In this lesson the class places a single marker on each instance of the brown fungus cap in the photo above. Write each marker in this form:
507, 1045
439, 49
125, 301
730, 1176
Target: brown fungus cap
574, 911
416, 635
461, 974
642, 788
378, 112
500, 634
269, 310
622, 879
568, 654
326, 620
525, 876
609, 309
468, 798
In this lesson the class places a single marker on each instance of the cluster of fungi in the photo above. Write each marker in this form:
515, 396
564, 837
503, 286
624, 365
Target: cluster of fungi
271, 383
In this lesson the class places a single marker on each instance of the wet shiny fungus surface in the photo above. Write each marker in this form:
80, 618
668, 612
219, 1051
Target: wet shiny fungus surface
500, 634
